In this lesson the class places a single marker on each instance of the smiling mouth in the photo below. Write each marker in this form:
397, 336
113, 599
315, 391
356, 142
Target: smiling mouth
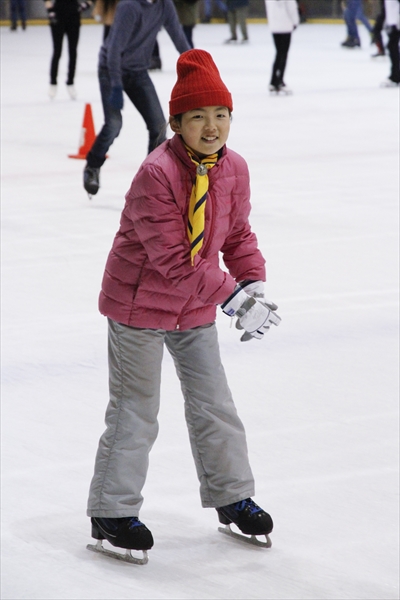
208, 139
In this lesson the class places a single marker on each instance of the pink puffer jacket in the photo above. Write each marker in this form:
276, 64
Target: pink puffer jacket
149, 281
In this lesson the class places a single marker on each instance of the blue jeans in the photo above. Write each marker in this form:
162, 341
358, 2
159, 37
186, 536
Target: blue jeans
18, 8
208, 7
353, 11
141, 92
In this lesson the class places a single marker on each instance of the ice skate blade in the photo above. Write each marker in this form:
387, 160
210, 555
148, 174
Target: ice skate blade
281, 93
127, 557
252, 540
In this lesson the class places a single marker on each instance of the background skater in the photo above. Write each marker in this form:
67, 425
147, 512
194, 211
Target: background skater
125, 57
283, 18
64, 20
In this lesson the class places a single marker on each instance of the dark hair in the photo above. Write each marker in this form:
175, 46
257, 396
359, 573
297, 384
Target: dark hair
179, 116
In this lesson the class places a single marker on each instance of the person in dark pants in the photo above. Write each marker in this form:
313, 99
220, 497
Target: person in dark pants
17, 9
237, 11
392, 23
283, 18
64, 19
376, 34
282, 45
187, 11
124, 59
353, 11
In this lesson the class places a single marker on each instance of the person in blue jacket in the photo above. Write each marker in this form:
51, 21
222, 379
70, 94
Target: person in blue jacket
124, 59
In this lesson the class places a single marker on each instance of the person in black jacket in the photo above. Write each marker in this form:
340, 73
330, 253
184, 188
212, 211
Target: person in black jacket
64, 19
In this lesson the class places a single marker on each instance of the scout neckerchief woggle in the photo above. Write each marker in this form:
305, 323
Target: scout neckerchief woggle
197, 204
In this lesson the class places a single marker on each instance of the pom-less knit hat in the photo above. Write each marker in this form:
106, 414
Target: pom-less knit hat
198, 84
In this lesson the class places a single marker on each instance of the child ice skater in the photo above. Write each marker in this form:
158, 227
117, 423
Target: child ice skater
161, 286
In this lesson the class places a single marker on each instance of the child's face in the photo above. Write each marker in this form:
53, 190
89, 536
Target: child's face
205, 130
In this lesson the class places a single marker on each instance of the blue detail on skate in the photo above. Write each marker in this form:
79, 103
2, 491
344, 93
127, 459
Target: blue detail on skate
239, 506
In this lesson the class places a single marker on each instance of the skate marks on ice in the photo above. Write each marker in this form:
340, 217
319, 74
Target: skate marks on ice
127, 557
252, 540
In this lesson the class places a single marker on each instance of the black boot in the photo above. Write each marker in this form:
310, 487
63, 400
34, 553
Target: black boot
126, 532
91, 180
351, 42
250, 518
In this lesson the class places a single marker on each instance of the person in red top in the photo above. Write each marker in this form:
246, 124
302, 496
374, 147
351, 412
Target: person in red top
189, 201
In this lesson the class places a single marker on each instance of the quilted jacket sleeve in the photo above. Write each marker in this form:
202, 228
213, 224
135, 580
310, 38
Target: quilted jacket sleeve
240, 250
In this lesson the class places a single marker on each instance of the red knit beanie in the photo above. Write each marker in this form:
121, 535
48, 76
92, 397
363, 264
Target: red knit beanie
198, 84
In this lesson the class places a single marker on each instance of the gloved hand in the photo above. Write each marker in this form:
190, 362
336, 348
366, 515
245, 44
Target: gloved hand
254, 316
82, 6
255, 289
116, 98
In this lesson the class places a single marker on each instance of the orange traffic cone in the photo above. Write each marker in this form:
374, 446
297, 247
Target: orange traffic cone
87, 134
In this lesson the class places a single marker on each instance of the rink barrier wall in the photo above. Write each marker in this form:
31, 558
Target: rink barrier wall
312, 11
33, 22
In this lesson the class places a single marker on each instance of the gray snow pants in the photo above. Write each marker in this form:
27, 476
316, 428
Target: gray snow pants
216, 433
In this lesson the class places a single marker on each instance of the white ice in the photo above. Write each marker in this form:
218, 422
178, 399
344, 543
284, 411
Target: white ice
318, 396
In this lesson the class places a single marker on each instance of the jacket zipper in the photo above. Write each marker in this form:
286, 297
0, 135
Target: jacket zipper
177, 326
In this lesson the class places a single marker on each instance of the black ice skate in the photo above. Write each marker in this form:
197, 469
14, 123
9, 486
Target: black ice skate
127, 532
351, 42
251, 520
91, 180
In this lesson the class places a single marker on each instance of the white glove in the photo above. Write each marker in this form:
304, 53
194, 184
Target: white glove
254, 316
255, 289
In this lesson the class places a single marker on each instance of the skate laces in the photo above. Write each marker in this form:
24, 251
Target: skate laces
134, 522
239, 506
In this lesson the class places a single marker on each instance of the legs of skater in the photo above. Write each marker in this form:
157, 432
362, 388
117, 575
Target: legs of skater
282, 45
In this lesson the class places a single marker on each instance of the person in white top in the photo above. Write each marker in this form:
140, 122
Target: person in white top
283, 18
392, 23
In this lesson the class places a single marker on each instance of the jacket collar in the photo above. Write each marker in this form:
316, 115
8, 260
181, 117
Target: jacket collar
178, 147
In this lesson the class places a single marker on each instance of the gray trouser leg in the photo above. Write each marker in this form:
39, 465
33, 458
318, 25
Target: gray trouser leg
216, 433
232, 23
135, 357
242, 20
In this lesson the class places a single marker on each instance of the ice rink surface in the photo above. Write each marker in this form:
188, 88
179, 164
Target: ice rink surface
318, 396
